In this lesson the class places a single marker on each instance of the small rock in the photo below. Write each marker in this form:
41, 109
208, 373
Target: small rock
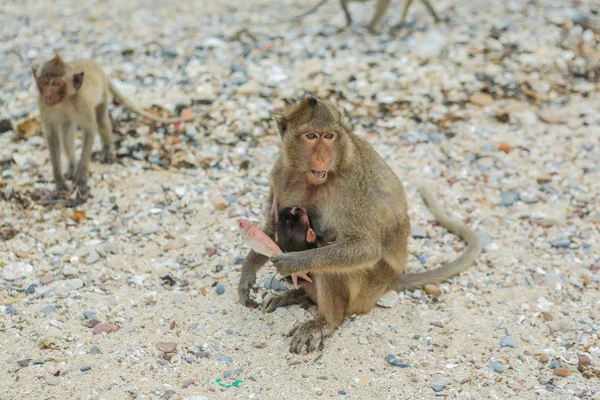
92, 257
481, 99
48, 310
90, 323
260, 345
437, 324
223, 358
433, 290
89, 315
438, 383
111, 247
544, 359
24, 363
508, 341
10, 309
561, 244
16, 270
85, 368
47, 278
363, 340
5, 125
507, 199
584, 360
395, 362
497, 366
95, 350
553, 115
104, 328
419, 233
564, 372
220, 289
52, 380
39, 361
389, 299
226, 374
484, 238
505, 147
271, 282
31, 289
529, 196
166, 347
555, 364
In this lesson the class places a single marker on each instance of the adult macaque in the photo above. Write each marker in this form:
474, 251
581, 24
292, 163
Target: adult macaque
75, 94
381, 7
349, 191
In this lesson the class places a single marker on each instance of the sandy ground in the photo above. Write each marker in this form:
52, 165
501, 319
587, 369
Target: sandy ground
159, 234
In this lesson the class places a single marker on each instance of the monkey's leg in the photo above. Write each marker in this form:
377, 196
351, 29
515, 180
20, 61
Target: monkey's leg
333, 299
68, 141
380, 9
288, 298
53, 140
404, 14
431, 10
105, 128
252, 263
344, 4
86, 154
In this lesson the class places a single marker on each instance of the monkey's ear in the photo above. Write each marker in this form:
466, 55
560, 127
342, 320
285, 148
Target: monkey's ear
311, 101
78, 80
345, 121
311, 236
282, 124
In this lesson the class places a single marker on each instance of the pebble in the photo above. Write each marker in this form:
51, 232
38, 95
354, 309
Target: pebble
10, 309
497, 366
220, 289
48, 310
419, 233
564, 372
561, 244
89, 315
438, 383
507, 199
481, 99
271, 282
16, 270
47, 278
553, 115
555, 364
52, 380
223, 358
433, 290
395, 361
30, 289
389, 299
104, 328
583, 360
508, 341
85, 368
61, 287
95, 350
363, 340
166, 347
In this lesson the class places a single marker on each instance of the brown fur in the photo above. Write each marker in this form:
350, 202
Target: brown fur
362, 205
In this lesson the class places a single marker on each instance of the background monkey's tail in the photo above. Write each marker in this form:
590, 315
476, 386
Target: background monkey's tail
453, 268
128, 104
312, 10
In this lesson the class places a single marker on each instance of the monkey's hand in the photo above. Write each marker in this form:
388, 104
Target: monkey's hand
288, 264
244, 288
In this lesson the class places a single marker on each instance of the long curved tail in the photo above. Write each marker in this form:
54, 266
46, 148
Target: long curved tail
128, 104
453, 268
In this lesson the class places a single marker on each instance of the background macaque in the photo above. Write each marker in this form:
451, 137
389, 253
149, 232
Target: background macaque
349, 190
381, 7
76, 94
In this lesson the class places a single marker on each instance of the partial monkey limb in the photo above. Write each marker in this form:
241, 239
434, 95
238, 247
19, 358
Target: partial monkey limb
287, 298
53, 140
342, 256
451, 269
68, 135
380, 9
407, 5
311, 11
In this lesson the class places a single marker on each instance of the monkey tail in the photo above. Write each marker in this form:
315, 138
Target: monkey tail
128, 104
453, 268
312, 10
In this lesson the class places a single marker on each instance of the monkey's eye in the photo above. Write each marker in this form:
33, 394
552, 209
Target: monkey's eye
55, 82
311, 136
328, 135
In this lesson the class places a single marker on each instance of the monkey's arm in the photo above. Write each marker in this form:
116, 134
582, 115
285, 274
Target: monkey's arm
348, 255
254, 261
453, 268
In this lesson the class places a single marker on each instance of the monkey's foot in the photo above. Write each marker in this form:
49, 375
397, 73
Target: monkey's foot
308, 335
61, 187
82, 190
70, 174
291, 297
244, 288
106, 156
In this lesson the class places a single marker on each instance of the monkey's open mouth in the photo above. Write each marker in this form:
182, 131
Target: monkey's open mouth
320, 175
